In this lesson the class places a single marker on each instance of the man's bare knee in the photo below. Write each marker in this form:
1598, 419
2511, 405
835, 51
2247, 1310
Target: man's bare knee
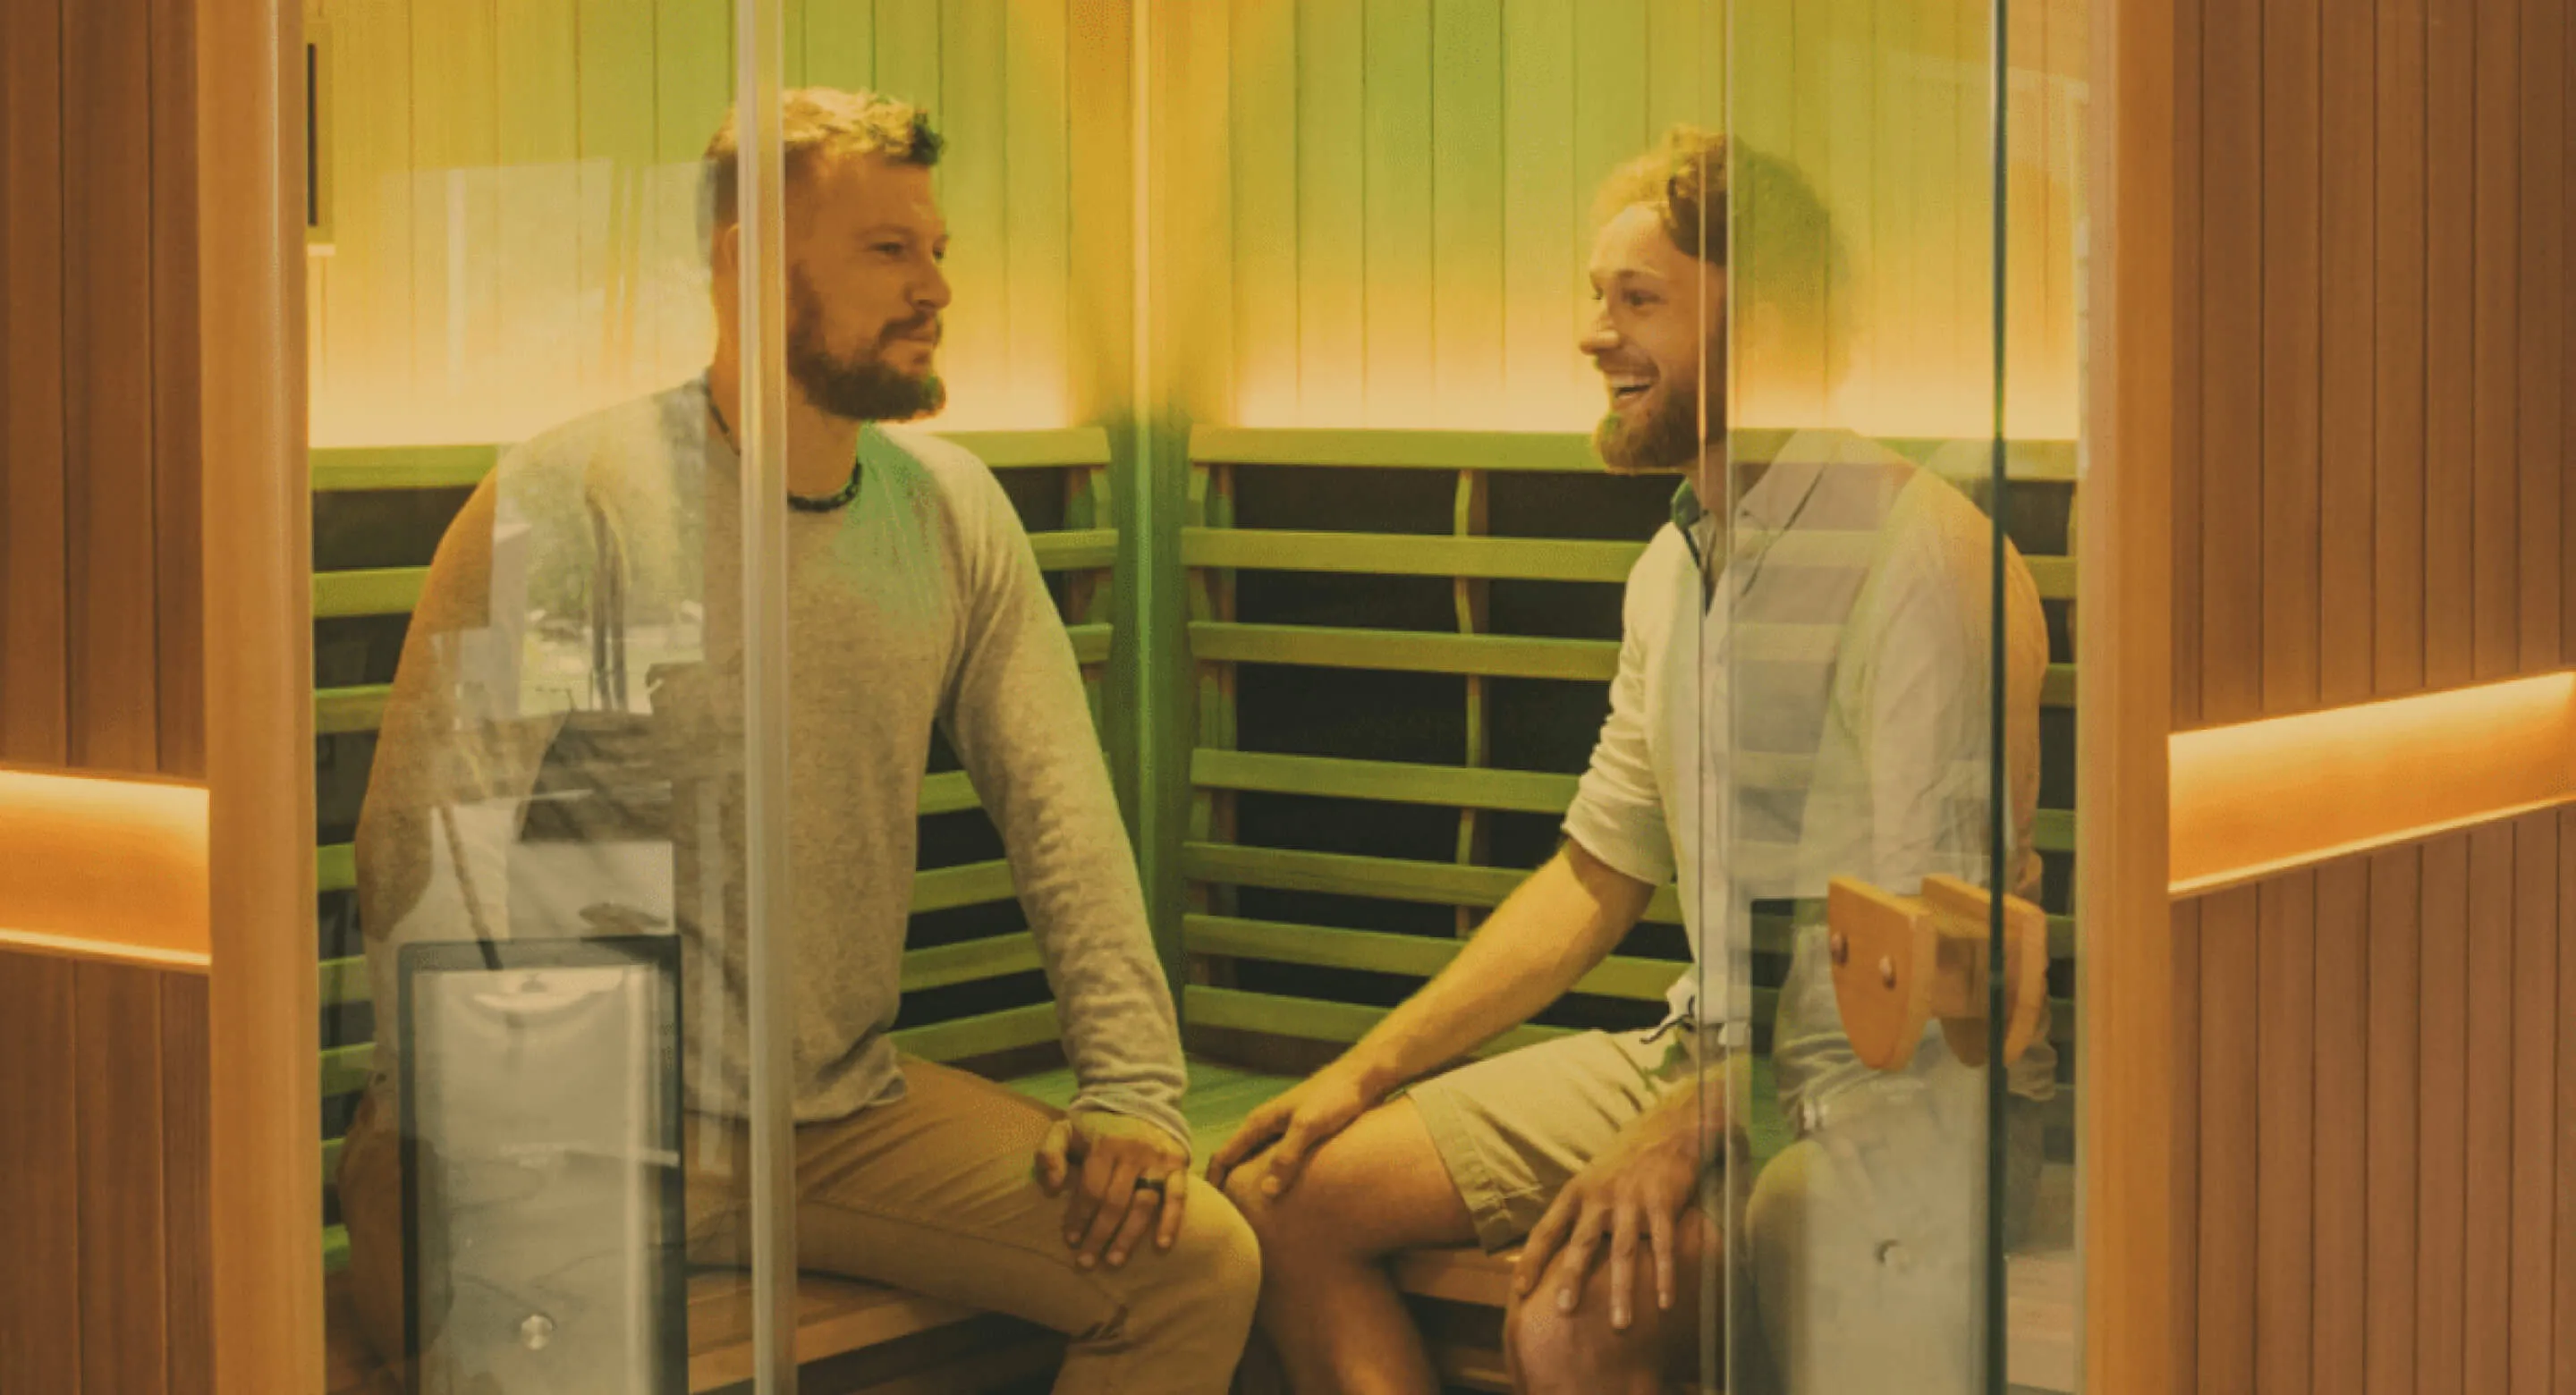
1299, 1219
1377, 1187
1580, 1353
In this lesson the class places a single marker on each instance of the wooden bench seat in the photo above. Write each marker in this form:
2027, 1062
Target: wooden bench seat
839, 1318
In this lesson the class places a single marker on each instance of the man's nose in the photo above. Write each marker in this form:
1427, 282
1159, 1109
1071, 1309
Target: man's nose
933, 293
1598, 337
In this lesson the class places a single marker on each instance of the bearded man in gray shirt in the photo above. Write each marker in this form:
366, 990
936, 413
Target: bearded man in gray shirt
594, 580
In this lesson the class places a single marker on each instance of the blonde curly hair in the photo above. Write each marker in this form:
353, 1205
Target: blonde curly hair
1789, 256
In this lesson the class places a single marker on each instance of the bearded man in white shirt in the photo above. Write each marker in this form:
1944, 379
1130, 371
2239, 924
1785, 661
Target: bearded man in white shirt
1803, 692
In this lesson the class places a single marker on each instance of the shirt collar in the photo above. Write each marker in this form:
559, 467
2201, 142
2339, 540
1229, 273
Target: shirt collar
1773, 500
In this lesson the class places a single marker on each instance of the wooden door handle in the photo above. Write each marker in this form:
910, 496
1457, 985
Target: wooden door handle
1902, 961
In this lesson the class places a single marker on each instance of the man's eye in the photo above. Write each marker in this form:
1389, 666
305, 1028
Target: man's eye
891, 249
1639, 300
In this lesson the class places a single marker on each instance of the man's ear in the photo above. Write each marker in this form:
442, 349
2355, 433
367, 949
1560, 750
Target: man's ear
726, 261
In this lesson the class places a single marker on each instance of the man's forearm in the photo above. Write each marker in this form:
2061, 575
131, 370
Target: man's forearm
1553, 929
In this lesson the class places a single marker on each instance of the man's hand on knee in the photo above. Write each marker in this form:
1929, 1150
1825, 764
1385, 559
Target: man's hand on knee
1635, 1190
1292, 1126
1132, 1174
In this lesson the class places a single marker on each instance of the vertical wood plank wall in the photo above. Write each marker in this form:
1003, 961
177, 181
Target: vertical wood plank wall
511, 233
104, 1147
550, 166
99, 622
103, 1089
1413, 186
2375, 1097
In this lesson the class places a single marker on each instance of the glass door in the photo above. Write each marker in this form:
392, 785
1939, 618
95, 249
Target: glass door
546, 454
1882, 552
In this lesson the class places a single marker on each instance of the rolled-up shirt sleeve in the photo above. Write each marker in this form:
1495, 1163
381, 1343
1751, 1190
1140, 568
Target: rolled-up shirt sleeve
1618, 811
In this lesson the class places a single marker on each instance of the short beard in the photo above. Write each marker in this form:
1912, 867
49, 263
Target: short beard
1668, 443
859, 388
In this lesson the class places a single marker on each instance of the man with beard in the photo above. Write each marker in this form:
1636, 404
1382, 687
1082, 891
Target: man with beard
1802, 693
582, 623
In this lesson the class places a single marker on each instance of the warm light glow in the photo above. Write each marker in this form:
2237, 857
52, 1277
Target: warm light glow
103, 865
2257, 798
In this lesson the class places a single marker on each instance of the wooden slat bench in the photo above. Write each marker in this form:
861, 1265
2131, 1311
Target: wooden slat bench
1247, 1042
1300, 546
850, 1334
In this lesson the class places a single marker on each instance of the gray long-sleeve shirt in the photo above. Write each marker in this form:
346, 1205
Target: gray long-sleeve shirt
565, 731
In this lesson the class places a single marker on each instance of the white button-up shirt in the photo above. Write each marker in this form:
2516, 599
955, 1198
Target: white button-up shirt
1808, 695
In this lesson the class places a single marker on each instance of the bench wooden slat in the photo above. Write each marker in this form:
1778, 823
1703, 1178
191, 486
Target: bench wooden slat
350, 469
832, 1316
1075, 549
1516, 559
938, 966
1552, 452
981, 1035
1428, 554
2054, 576
1090, 642
1431, 651
2054, 831
937, 889
1965, 460
1315, 1019
338, 711
346, 981
345, 1069
1641, 980
1409, 554
1405, 651
1463, 1275
372, 591
335, 868
353, 469
1350, 874
335, 865
361, 706
969, 884
345, 594
1452, 786
1036, 449
948, 792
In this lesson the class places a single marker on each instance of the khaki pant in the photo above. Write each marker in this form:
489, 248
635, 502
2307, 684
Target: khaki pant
935, 1193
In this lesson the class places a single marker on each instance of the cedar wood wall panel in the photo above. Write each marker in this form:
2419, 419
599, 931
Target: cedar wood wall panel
104, 1271
2371, 473
2376, 1117
103, 1107
100, 661
2375, 1106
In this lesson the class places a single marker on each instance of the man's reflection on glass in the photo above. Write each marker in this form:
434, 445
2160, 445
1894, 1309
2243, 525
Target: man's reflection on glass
1802, 693
561, 757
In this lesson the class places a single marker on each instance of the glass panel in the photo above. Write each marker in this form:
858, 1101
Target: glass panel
1873, 657
2047, 114
533, 713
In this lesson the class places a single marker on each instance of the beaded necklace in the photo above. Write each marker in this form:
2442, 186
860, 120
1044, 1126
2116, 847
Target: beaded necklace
802, 503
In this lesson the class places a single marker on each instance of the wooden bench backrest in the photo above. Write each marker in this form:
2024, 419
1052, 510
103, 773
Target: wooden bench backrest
1332, 1000
1082, 551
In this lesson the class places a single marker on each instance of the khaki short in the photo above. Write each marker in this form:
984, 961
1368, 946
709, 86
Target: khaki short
1515, 1128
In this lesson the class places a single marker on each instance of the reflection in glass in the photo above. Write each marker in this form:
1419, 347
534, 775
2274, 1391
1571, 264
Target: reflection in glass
1878, 661
532, 759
